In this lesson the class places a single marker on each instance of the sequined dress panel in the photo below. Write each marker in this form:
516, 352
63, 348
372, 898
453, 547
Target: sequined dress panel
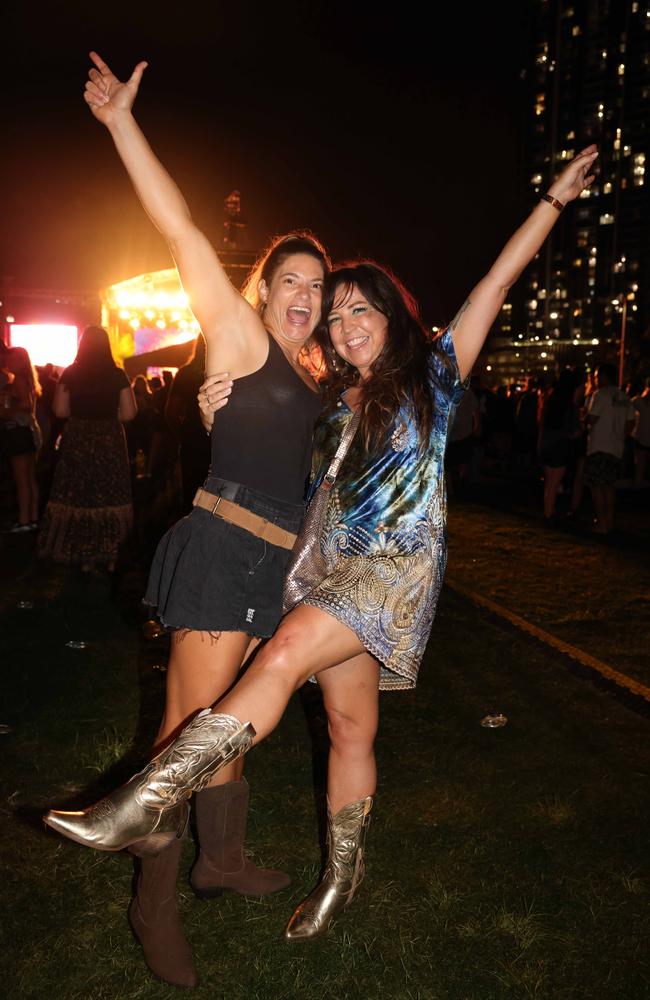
384, 539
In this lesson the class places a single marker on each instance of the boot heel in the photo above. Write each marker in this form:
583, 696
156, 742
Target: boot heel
212, 893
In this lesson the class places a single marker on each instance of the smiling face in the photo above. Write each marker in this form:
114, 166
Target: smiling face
357, 329
292, 301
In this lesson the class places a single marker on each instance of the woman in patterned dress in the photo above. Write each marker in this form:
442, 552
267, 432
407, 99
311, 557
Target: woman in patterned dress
89, 514
366, 624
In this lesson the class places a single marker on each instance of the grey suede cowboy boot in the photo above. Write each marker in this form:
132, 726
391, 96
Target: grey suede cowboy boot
151, 810
222, 865
343, 872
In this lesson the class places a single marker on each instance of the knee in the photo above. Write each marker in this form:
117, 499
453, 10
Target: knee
350, 735
285, 655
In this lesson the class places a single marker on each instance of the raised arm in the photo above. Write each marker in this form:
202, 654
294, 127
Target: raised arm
472, 323
219, 308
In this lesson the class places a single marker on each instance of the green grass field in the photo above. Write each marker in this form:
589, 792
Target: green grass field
507, 863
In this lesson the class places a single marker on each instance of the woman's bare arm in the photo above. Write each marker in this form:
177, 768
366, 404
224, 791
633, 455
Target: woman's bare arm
472, 323
218, 306
61, 401
127, 406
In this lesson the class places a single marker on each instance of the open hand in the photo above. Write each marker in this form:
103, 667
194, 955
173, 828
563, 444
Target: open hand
575, 177
105, 94
212, 395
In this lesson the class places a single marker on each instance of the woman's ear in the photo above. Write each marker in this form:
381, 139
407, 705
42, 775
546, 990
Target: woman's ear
263, 291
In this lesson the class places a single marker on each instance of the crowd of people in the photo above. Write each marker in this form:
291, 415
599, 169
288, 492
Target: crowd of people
572, 430
81, 442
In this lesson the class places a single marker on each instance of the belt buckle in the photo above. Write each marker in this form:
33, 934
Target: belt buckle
216, 506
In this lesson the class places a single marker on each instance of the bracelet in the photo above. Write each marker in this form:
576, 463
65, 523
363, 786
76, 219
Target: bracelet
553, 201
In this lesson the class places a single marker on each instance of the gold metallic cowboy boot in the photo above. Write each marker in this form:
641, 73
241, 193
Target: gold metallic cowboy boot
344, 870
151, 810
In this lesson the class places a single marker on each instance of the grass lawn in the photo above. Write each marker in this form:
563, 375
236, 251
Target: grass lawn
507, 863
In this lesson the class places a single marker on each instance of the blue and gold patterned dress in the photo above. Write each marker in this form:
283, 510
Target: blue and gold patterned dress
384, 539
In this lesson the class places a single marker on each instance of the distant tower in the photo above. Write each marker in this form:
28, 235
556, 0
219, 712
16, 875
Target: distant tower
234, 226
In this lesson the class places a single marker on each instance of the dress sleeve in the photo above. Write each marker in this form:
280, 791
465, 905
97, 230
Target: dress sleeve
444, 368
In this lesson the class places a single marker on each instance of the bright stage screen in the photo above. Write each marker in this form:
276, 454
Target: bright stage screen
46, 343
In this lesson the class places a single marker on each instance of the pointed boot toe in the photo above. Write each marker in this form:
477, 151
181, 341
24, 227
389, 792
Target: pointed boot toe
119, 821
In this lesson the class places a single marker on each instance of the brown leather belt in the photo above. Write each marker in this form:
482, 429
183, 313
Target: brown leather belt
256, 525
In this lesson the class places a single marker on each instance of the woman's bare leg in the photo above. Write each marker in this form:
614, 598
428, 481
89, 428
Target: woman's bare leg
351, 696
20, 466
552, 479
307, 642
202, 666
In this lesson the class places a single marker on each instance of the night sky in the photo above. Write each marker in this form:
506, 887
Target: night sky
391, 135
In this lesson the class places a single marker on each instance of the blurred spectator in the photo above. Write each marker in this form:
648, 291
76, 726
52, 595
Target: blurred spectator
559, 432
162, 456
610, 416
183, 419
525, 440
464, 431
503, 425
140, 430
89, 514
51, 426
580, 402
641, 434
20, 435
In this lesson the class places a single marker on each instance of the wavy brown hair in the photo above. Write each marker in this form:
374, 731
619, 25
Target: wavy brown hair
402, 374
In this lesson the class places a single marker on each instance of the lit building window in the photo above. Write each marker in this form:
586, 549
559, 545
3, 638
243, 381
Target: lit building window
621, 69
607, 187
606, 219
575, 30
536, 179
638, 170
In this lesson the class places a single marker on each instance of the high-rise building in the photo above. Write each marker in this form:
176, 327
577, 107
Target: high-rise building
586, 296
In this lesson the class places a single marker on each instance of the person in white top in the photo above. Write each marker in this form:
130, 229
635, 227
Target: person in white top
610, 418
641, 434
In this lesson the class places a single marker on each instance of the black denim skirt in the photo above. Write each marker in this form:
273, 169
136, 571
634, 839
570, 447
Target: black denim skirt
212, 576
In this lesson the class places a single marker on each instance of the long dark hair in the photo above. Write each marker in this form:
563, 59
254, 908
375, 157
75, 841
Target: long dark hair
402, 373
94, 358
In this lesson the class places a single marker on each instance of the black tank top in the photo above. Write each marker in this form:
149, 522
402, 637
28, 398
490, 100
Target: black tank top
263, 437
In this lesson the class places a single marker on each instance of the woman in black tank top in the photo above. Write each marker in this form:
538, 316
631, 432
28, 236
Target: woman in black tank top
381, 573
217, 584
